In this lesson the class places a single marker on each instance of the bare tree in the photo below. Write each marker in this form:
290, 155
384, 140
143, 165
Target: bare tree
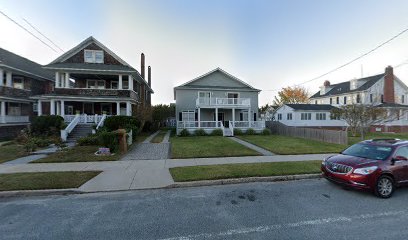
360, 117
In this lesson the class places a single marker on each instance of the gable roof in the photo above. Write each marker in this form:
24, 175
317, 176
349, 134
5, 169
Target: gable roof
311, 107
23, 65
190, 84
344, 87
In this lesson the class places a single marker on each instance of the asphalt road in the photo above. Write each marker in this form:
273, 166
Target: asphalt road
309, 209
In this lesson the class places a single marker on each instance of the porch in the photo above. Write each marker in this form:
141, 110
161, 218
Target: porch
227, 127
12, 112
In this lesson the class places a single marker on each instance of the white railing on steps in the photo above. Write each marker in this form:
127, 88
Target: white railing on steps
69, 128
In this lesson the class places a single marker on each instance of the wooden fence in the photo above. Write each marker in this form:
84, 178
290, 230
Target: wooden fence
323, 135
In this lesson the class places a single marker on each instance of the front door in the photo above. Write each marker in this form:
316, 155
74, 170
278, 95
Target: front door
400, 167
204, 98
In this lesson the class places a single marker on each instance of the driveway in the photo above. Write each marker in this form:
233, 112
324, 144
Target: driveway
308, 209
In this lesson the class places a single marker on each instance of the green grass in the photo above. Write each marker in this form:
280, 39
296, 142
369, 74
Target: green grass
224, 171
353, 140
44, 180
11, 152
77, 154
207, 146
289, 145
159, 137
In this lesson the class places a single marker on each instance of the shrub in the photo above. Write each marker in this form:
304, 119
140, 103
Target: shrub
216, 132
200, 132
89, 140
238, 131
47, 125
266, 131
109, 140
30, 146
184, 133
250, 131
127, 122
41, 142
23, 136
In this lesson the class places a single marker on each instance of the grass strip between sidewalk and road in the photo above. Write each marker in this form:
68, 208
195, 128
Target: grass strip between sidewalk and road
208, 146
242, 170
44, 180
77, 154
285, 145
159, 137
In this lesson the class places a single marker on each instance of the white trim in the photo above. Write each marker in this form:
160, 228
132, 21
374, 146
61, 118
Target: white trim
28, 73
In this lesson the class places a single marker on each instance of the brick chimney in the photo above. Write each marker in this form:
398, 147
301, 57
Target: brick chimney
389, 96
142, 67
149, 76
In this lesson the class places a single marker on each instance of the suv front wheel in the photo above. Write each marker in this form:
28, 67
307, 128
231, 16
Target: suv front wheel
384, 187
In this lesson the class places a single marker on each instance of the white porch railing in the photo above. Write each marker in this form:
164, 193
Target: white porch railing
14, 119
223, 102
84, 118
195, 124
70, 127
231, 127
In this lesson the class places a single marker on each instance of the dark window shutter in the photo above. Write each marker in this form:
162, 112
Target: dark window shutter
241, 116
196, 116
180, 116
254, 116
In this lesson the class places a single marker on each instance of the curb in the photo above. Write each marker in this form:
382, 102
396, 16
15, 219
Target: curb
26, 193
244, 180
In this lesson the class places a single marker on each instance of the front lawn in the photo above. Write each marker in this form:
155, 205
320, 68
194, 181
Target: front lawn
290, 145
224, 171
77, 154
207, 146
11, 152
44, 180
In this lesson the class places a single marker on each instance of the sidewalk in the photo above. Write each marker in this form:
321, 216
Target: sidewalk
142, 174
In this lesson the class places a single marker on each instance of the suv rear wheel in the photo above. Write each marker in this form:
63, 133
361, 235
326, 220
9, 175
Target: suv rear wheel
384, 187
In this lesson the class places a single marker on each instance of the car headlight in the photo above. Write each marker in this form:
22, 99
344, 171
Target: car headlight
366, 170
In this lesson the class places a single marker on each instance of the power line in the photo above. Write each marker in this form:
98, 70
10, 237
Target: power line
38, 31
25, 29
350, 62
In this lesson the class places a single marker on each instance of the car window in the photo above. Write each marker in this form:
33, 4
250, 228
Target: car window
402, 151
368, 151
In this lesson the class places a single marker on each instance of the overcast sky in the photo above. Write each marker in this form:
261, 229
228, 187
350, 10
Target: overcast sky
269, 44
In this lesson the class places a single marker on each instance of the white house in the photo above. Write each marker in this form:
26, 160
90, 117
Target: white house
307, 115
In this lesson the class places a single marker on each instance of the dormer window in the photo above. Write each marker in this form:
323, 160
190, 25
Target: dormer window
93, 56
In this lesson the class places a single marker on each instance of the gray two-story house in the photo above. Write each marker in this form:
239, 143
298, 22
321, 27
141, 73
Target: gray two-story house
217, 100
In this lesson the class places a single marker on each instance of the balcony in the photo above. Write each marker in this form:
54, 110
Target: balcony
91, 92
223, 102
14, 92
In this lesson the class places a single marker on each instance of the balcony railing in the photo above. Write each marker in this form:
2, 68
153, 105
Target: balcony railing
223, 102
119, 93
14, 119
14, 92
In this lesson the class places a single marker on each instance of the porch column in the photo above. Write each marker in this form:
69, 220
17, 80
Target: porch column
3, 112
118, 108
216, 116
120, 82
8, 79
66, 80
62, 108
199, 117
57, 79
249, 118
52, 107
58, 108
130, 82
1, 77
233, 117
128, 109
39, 108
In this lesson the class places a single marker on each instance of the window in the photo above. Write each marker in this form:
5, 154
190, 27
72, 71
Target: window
334, 117
93, 56
35, 107
402, 98
371, 98
279, 116
331, 101
358, 98
96, 84
18, 82
345, 100
233, 95
320, 116
315, 101
125, 84
337, 100
243, 116
289, 116
305, 116
115, 85
188, 116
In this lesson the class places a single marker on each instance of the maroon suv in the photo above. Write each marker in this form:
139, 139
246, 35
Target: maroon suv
379, 165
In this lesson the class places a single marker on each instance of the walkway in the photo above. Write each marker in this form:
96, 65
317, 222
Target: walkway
150, 151
252, 146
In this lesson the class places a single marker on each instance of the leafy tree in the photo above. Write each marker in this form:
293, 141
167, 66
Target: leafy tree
360, 117
161, 112
291, 95
264, 108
